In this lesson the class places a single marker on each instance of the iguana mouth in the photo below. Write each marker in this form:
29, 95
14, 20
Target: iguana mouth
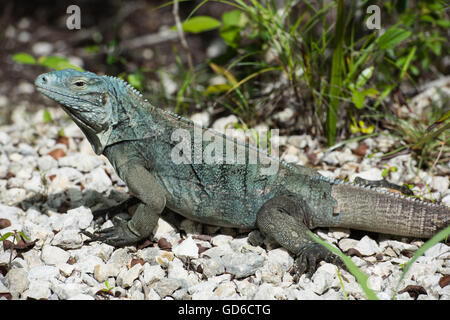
54, 95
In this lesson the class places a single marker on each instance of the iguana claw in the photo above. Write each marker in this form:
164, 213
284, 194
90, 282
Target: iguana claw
309, 257
119, 235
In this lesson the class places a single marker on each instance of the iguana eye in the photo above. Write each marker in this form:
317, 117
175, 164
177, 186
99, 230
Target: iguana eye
79, 83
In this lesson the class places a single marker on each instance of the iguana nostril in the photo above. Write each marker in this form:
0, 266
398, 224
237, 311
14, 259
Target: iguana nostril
44, 79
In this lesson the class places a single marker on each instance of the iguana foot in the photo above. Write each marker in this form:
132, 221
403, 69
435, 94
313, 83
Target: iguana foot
309, 257
119, 235
121, 207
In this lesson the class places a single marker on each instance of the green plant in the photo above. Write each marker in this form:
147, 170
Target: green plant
17, 237
364, 70
52, 62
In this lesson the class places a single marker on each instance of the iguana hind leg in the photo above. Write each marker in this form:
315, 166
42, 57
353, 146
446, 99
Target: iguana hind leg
286, 219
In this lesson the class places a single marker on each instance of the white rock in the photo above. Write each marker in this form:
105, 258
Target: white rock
398, 246
14, 195
66, 269
284, 116
25, 88
81, 162
104, 271
446, 200
242, 265
441, 184
375, 283
149, 255
53, 255
120, 256
152, 295
422, 269
339, 233
176, 270
163, 229
41, 48
268, 292
34, 184
83, 216
87, 264
225, 290
225, 123
187, 248
45, 273
98, 180
323, 280
4, 137
439, 250
68, 239
346, 244
10, 213
371, 174
367, 246
167, 286
70, 174
383, 269
221, 240
282, 257
46, 163
152, 273
126, 278
17, 281
135, 291
212, 267
32, 258
270, 272
38, 289
66, 291
201, 118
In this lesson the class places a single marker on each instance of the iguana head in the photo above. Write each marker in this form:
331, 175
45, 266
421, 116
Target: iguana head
93, 102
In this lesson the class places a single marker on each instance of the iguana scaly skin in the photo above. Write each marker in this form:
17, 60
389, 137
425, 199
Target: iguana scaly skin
136, 137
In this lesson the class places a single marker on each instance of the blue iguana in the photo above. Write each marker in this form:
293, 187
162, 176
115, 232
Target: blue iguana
137, 138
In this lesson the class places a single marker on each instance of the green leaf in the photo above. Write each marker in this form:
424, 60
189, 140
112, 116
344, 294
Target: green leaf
199, 24
92, 49
215, 89
392, 37
231, 35
407, 63
232, 18
358, 98
57, 63
24, 58
23, 235
6, 236
136, 80
47, 117
444, 23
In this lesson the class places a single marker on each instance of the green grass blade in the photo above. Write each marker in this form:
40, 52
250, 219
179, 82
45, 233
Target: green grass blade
443, 234
360, 276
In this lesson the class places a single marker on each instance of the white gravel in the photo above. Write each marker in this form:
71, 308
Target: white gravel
50, 199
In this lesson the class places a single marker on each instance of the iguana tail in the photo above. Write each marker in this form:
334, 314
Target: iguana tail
386, 212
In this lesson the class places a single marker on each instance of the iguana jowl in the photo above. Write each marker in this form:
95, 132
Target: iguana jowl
136, 138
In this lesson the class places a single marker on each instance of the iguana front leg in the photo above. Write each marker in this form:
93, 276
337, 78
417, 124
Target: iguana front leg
286, 220
144, 187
